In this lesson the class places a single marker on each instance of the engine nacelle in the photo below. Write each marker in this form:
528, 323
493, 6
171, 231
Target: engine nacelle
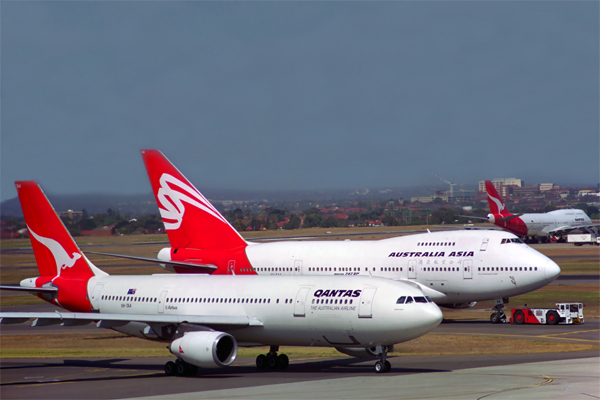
491, 218
165, 255
205, 349
458, 305
361, 352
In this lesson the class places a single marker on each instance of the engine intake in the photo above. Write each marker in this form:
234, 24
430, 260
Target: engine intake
205, 349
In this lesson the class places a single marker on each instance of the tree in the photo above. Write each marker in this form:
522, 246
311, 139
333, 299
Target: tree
294, 223
312, 221
330, 222
389, 221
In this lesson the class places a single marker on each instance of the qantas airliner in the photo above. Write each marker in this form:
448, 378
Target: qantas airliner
542, 225
205, 318
455, 269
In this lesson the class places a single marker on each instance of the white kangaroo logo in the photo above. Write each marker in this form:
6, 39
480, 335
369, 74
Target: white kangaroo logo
172, 201
61, 257
498, 202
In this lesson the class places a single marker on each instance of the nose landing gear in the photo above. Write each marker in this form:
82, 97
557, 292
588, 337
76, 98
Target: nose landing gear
498, 317
383, 365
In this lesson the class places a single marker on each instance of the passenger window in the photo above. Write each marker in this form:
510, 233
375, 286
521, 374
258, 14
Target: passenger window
401, 300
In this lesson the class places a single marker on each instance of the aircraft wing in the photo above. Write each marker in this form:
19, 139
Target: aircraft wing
30, 289
569, 228
207, 268
106, 320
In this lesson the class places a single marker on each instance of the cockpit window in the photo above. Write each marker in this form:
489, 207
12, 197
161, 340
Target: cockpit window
409, 300
429, 299
401, 300
512, 240
420, 299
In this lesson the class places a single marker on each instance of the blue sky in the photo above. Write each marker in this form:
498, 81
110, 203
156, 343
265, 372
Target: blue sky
298, 95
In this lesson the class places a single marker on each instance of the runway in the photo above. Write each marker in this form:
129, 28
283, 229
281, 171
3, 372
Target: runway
531, 376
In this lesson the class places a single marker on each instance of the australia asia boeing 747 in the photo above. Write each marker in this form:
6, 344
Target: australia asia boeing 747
454, 268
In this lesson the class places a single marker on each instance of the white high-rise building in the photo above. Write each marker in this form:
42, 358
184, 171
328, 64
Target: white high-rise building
500, 182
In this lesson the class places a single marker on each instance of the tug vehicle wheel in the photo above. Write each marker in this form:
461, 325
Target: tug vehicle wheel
552, 317
519, 317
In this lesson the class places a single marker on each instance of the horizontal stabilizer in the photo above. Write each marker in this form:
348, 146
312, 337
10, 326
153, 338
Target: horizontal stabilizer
206, 268
29, 289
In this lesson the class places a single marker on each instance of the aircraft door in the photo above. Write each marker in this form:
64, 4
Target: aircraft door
299, 306
412, 269
231, 267
161, 301
484, 244
297, 267
95, 299
365, 308
468, 269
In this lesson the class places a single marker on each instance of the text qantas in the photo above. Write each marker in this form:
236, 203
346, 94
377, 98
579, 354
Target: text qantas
432, 254
337, 293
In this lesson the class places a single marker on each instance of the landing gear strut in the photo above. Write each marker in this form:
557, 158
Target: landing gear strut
382, 365
498, 317
272, 360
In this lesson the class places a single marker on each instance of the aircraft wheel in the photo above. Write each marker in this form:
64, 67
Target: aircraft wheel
170, 368
181, 369
283, 361
379, 367
552, 318
494, 319
519, 317
271, 361
388, 366
261, 361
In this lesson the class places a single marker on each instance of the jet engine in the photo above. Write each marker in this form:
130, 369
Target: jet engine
205, 349
458, 305
361, 352
491, 218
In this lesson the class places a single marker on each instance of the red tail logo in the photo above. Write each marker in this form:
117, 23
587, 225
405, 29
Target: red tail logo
172, 201
494, 200
190, 219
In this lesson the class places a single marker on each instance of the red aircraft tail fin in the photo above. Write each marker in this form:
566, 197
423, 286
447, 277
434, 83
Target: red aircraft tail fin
190, 219
496, 204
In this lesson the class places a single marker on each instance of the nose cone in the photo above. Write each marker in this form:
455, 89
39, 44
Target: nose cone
432, 316
551, 271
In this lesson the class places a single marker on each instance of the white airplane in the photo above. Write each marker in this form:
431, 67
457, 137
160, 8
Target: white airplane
455, 269
542, 225
205, 318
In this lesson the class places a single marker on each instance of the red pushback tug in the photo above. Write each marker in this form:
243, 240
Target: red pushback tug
564, 313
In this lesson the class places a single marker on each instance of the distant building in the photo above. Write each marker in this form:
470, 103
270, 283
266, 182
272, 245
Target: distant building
73, 215
500, 182
548, 186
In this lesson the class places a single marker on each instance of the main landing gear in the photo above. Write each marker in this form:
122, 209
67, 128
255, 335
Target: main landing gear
180, 368
498, 317
382, 365
272, 360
